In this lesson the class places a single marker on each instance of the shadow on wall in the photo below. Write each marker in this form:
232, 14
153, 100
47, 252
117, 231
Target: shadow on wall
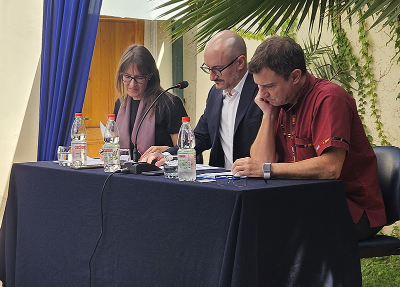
26, 149
27, 145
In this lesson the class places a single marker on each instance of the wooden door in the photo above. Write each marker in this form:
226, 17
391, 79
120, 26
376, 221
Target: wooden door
114, 35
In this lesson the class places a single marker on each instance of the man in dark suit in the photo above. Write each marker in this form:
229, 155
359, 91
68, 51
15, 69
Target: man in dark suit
231, 118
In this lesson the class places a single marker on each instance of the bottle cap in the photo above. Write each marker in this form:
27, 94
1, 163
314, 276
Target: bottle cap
111, 116
185, 119
78, 115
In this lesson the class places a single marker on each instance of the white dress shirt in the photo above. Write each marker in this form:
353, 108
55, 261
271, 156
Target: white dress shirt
228, 115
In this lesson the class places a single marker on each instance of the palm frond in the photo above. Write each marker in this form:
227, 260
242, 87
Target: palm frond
385, 9
320, 62
211, 16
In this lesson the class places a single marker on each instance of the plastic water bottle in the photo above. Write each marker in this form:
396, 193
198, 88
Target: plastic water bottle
186, 152
111, 145
78, 142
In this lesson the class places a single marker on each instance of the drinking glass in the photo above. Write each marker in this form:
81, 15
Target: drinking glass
124, 155
64, 155
171, 166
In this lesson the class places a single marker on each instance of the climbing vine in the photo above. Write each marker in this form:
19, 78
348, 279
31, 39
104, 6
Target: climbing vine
363, 74
395, 32
261, 36
370, 84
346, 60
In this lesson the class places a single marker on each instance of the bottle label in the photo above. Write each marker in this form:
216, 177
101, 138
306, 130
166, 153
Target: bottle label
79, 146
187, 160
111, 157
186, 164
111, 154
78, 152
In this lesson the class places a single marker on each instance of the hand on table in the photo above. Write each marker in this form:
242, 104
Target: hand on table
247, 167
153, 155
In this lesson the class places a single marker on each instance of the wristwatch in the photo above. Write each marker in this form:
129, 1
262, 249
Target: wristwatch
267, 170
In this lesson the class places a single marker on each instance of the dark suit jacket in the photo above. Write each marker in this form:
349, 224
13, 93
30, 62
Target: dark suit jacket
247, 123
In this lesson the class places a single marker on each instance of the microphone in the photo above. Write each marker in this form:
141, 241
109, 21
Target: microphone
138, 167
180, 85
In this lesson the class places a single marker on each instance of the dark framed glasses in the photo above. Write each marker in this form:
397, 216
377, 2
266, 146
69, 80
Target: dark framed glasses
138, 79
217, 72
239, 181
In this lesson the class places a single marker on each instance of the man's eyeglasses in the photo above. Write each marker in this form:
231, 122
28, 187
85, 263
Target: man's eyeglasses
239, 181
217, 72
138, 79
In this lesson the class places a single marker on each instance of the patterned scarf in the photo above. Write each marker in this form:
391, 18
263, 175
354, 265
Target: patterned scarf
146, 136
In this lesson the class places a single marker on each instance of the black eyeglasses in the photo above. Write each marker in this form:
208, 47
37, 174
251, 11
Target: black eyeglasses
138, 79
239, 181
217, 72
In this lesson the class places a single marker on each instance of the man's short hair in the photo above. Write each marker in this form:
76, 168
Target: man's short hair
281, 55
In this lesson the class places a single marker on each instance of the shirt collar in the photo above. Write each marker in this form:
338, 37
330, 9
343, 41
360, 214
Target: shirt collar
238, 88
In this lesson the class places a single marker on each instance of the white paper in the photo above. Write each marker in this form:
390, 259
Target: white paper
94, 161
199, 179
205, 166
102, 129
212, 175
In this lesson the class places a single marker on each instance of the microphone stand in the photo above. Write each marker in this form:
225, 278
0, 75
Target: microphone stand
137, 167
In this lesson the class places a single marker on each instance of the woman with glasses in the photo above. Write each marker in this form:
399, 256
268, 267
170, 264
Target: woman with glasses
138, 84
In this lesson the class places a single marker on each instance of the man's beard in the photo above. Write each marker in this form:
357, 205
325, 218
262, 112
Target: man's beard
230, 85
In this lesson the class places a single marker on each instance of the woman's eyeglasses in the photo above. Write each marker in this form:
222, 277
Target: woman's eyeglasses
138, 79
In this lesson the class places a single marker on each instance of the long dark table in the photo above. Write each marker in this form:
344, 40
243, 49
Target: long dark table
162, 232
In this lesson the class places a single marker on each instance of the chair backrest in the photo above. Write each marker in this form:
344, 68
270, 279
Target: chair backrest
389, 180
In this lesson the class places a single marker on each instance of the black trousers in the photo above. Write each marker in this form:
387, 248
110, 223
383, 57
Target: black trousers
363, 228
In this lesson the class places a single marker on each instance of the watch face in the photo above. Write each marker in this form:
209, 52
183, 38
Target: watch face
266, 167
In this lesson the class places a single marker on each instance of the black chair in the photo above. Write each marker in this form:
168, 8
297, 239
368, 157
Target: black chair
389, 181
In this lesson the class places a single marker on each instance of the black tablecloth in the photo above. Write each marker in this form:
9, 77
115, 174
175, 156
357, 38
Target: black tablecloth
160, 232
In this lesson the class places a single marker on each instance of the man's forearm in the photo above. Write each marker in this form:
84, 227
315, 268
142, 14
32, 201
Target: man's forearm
263, 147
326, 166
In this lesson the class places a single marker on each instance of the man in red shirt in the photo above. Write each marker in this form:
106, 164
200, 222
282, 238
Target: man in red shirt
311, 129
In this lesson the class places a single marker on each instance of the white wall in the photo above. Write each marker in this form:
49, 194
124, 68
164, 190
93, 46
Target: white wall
136, 9
160, 45
20, 47
190, 68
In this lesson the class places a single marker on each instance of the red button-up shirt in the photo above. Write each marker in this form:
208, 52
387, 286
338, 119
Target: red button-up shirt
326, 115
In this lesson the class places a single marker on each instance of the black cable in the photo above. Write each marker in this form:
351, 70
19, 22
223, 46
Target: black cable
102, 221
